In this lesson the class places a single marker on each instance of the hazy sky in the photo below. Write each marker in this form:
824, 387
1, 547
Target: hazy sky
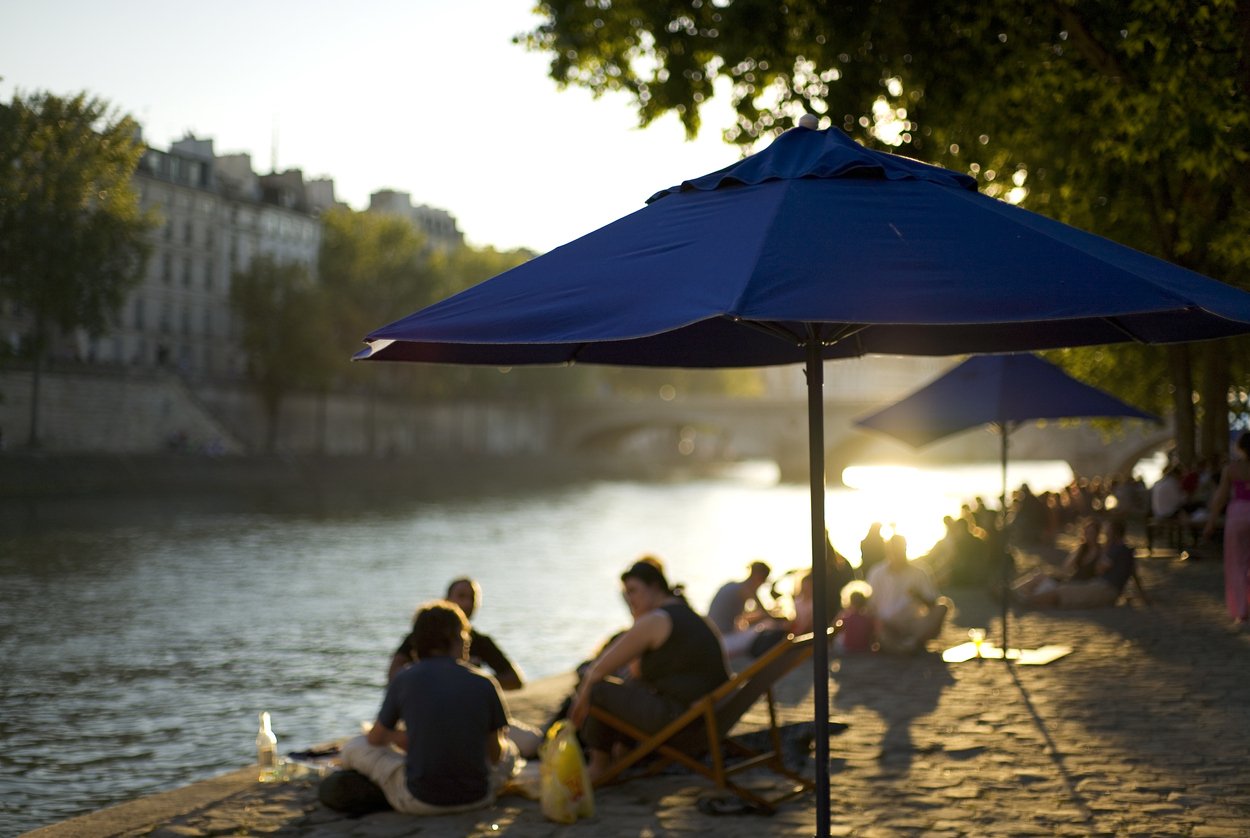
425, 96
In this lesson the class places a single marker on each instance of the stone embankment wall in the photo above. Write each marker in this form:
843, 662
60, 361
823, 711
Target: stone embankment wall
108, 412
101, 411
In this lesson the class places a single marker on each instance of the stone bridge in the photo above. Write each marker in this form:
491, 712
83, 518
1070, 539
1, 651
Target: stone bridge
721, 427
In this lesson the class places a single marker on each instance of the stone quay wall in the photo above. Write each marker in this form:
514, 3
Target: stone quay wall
123, 411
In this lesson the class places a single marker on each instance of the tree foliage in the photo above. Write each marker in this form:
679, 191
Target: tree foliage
71, 230
283, 319
1130, 118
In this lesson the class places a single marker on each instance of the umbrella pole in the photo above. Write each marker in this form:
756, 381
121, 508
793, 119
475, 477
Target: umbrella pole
820, 609
1002, 505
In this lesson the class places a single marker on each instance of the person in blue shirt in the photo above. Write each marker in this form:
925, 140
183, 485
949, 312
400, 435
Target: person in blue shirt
453, 752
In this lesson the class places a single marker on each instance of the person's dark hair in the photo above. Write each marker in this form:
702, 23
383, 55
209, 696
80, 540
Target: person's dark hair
760, 569
649, 571
1243, 442
460, 580
437, 627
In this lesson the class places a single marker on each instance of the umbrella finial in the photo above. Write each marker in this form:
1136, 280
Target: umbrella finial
809, 121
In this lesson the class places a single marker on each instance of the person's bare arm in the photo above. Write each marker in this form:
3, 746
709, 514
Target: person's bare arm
494, 744
509, 679
649, 632
380, 735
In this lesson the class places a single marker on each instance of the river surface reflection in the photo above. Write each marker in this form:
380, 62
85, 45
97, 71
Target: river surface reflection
140, 640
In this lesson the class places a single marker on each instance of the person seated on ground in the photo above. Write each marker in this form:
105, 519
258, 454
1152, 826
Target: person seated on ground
676, 658
971, 563
871, 549
982, 515
736, 605
905, 602
1113, 566
769, 635
1169, 500
857, 630
838, 573
943, 554
466, 594
454, 753
1026, 517
1036, 590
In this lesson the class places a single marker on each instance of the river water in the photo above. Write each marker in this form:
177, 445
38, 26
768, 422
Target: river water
140, 639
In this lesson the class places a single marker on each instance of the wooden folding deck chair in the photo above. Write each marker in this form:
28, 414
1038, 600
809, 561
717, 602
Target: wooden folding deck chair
706, 726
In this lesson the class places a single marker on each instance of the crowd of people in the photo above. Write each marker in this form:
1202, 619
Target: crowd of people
443, 740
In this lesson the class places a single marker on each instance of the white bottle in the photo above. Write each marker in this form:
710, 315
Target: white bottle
266, 749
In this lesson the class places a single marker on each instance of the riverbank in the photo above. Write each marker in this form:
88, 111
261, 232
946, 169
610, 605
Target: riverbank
1137, 732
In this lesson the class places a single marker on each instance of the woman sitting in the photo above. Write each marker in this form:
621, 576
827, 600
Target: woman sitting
1040, 589
674, 654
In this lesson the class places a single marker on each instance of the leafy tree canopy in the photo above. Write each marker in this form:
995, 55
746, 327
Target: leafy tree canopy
71, 231
283, 321
1129, 118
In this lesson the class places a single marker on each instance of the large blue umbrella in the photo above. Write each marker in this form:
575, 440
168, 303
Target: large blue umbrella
816, 248
999, 390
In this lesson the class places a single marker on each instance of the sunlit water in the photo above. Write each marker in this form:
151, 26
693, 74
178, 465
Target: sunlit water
139, 642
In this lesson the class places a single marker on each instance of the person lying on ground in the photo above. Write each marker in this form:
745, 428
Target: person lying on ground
483, 651
453, 753
676, 657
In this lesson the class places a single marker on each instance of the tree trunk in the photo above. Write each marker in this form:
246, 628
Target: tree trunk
1215, 381
322, 397
273, 407
1182, 379
36, 374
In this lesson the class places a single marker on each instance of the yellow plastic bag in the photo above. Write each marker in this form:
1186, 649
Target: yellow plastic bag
566, 793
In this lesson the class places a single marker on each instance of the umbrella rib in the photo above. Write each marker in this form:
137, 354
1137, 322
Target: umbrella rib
847, 330
1114, 322
770, 328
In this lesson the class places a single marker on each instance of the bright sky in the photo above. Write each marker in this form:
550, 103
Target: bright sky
428, 97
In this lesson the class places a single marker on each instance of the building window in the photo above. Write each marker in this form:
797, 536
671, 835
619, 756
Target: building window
139, 313
208, 323
167, 268
186, 321
186, 271
188, 233
208, 274
165, 318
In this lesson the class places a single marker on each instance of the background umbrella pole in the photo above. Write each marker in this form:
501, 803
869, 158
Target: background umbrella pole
1004, 428
820, 603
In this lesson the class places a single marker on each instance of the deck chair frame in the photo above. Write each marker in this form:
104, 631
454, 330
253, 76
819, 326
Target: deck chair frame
717, 713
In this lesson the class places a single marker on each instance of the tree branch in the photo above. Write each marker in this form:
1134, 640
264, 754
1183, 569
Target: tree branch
1102, 59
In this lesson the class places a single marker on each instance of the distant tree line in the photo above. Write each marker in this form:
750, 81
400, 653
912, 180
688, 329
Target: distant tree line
73, 245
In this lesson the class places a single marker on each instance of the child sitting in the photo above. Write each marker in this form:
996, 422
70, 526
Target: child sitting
857, 632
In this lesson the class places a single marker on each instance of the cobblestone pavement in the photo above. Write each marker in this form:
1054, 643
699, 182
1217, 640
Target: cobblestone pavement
1142, 731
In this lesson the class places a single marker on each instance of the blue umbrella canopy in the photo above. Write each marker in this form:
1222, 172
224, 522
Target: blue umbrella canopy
1003, 390
887, 255
812, 249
